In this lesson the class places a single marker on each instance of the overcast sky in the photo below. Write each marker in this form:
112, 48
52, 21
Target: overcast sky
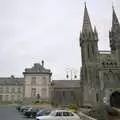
35, 30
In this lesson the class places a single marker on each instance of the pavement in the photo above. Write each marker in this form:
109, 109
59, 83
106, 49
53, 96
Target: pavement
10, 113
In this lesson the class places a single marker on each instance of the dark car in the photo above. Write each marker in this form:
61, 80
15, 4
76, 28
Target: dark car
18, 107
44, 111
31, 112
24, 108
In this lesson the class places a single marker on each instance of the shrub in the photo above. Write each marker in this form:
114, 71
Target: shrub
73, 106
36, 102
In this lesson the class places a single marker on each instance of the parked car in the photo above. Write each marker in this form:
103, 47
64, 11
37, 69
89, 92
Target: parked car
43, 111
18, 107
59, 115
24, 108
31, 112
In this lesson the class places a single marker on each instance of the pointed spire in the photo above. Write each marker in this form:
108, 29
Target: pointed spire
115, 22
95, 33
86, 22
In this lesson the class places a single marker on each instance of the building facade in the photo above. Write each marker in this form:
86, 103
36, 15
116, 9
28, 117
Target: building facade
11, 89
65, 92
35, 85
37, 82
100, 72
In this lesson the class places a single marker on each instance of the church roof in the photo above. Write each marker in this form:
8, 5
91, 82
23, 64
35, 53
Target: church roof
11, 81
115, 22
86, 21
37, 69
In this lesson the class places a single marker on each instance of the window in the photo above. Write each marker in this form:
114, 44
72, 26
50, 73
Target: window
6, 97
88, 50
7, 90
67, 114
44, 77
33, 81
19, 90
44, 80
70, 114
33, 92
44, 93
97, 97
59, 114
93, 49
18, 97
13, 90
13, 97
1, 89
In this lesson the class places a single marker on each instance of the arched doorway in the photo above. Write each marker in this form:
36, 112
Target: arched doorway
115, 99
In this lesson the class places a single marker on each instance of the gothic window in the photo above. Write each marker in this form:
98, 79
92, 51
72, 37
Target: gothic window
88, 52
33, 81
97, 97
93, 50
117, 77
63, 94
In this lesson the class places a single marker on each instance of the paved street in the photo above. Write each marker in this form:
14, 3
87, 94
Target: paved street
10, 113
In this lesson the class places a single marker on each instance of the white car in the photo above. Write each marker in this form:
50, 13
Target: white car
59, 115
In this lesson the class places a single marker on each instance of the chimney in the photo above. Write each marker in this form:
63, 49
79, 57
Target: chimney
43, 63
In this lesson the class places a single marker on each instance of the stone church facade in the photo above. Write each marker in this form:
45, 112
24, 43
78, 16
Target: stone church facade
100, 71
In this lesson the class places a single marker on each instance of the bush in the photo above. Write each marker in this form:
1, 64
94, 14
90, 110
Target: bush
36, 102
73, 106
41, 102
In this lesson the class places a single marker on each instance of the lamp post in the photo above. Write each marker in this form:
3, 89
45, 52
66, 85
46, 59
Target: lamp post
71, 74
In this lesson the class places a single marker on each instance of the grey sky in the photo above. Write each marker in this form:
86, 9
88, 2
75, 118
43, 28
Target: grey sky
32, 30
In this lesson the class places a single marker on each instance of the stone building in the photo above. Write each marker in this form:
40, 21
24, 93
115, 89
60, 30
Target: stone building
37, 82
100, 72
64, 92
11, 89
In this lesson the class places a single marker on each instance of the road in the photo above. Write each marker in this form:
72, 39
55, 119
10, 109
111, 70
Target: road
10, 113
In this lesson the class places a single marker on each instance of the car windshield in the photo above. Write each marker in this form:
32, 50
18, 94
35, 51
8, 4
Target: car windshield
44, 112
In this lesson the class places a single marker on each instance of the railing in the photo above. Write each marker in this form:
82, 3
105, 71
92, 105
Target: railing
85, 117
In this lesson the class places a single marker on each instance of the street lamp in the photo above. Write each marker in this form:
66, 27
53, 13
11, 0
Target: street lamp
71, 73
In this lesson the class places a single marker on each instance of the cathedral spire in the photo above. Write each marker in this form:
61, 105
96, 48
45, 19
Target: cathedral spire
115, 22
86, 22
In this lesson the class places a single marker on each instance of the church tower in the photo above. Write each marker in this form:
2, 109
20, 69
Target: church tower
89, 49
114, 36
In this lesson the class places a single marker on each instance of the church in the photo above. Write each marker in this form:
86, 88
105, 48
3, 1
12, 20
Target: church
100, 71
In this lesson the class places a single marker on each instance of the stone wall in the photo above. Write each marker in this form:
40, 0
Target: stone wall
85, 117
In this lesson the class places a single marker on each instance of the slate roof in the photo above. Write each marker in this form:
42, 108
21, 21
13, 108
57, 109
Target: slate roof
37, 69
11, 81
66, 83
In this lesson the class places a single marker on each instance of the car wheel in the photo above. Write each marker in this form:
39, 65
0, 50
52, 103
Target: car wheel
31, 116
